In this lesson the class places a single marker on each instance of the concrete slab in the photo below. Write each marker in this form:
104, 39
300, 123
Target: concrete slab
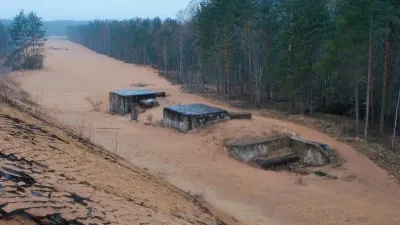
191, 116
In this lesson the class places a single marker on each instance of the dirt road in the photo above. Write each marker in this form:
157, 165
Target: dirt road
75, 78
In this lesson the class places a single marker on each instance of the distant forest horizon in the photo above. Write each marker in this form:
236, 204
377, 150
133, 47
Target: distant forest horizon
53, 27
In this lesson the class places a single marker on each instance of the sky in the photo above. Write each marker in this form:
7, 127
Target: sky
92, 9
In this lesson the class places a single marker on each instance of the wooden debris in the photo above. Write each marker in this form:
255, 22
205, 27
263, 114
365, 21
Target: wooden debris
239, 115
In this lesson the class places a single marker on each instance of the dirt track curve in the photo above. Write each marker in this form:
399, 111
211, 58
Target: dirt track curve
75, 78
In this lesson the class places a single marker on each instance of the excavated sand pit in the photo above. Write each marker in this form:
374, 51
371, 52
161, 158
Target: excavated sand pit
196, 161
281, 151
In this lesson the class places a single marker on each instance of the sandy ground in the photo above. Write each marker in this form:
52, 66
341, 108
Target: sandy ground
84, 183
75, 78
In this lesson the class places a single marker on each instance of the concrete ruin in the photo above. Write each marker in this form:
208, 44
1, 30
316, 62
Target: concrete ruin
122, 101
274, 151
188, 117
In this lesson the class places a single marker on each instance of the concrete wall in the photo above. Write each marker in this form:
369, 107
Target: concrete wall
201, 120
310, 153
124, 104
247, 151
119, 104
175, 120
184, 123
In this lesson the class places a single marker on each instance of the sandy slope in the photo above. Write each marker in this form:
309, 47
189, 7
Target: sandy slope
83, 182
197, 161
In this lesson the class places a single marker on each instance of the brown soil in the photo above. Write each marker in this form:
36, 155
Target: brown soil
198, 161
83, 182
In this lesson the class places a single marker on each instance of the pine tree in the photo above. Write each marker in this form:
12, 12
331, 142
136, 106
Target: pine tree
19, 29
35, 33
28, 35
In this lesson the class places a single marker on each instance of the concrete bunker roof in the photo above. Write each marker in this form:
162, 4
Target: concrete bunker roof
195, 109
134, 92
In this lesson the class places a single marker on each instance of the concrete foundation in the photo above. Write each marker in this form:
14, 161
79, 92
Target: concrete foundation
192, 116
310, 153
122, 101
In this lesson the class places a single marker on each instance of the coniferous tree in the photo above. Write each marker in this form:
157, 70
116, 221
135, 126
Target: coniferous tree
28, 37
19, 29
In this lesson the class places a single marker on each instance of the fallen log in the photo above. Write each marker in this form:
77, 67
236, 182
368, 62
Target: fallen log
160, 94
268, 163
239, 115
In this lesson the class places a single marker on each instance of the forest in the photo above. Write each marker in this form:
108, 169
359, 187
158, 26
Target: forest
329, 56
4, 39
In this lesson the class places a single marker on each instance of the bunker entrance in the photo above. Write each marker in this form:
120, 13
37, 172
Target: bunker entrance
281, 153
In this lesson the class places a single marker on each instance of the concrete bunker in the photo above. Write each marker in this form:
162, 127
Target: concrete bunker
122, 101
192, 116
281, 151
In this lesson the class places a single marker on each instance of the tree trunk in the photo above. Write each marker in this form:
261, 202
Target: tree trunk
291, 25
222, 82
267, 61
219, 80
384, 81
395, 120
249, 46
258, 84
33, 44
293, 103
165, 59
302, 99
357, 105
369, 78
226, 61
181, 75
372, 91
108, 41
268, 88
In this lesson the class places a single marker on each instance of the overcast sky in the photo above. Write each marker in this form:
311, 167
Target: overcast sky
92, 9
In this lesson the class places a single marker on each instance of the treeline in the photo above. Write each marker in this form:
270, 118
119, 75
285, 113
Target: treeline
141, 41
332, 56
53, 27
59, 27
21, 44
4, 39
